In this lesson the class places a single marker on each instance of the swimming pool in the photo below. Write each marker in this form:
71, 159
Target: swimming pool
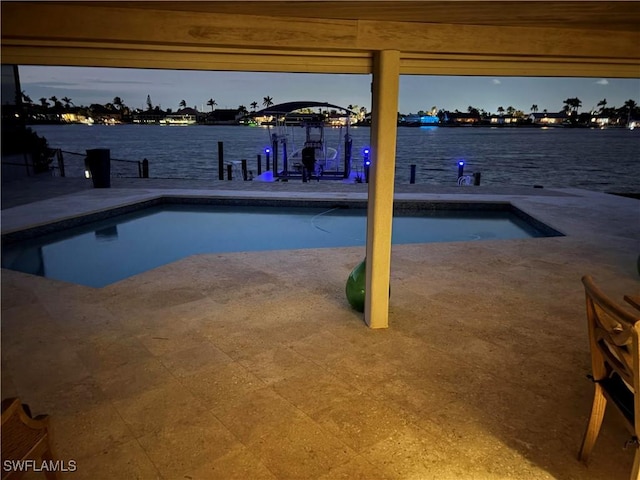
97, 253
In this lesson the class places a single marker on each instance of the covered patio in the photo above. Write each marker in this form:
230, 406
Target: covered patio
253, 366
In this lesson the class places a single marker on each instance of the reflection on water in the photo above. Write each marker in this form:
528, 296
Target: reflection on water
107, 234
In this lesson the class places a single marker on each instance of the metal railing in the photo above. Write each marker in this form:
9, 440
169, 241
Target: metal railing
72, 164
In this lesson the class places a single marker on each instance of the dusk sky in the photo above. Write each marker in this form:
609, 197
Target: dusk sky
231, 89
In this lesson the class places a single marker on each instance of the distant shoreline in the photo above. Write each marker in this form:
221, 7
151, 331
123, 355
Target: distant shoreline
444, 125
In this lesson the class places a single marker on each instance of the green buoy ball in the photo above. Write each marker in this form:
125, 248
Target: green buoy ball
355, 286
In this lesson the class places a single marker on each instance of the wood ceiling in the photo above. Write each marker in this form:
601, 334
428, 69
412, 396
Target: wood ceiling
591, 15
531, 38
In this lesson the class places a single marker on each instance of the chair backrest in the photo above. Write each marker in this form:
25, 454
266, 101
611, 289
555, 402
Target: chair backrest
23, 437
614, 334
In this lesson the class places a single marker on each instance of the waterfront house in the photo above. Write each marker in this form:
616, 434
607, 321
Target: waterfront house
416, 120
600, 121
550, 119
76, 117
460, 118
223, 116
148, 117
499, 120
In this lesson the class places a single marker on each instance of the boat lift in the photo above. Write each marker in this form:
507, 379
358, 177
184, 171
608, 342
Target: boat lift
314, 159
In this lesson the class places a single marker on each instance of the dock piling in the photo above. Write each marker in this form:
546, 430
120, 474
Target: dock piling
221, 161
244, 169
412, 177
60, 159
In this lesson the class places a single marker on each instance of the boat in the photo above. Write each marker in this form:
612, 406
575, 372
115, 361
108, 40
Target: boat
323, 155
313, 158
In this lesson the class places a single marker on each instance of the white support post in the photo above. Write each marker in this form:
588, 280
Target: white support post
384, 125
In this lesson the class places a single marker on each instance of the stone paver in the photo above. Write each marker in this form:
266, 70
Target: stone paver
481, 374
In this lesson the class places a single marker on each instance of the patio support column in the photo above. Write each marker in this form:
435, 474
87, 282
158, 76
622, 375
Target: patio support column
384, 124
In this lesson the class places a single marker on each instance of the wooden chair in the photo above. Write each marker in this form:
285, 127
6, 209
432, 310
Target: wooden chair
614, 334
24, 438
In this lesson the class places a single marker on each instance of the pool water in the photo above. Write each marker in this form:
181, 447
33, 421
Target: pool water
104, 252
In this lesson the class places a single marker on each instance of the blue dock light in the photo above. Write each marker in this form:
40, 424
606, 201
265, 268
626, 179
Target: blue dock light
267, 152
367, 163
367, 159
460, 168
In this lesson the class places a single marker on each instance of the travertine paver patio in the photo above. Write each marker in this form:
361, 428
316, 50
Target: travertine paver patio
252, 365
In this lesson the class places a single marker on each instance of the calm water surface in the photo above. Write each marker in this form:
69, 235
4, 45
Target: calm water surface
603, 160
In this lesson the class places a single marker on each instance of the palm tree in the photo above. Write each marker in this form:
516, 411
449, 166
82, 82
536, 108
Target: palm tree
183, 104
500, 110
211, 103
631, 106
44, 102
254, 105
510, 111
26, 98
67, 102
602, 104
534, 108
573, 104
267, 101
57, 104
362, 113
117, 101
242, 109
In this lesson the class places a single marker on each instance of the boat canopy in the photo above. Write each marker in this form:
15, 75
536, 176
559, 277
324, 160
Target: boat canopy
288, 107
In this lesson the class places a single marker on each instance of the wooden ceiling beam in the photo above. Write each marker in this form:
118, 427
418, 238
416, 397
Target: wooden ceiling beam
182, 58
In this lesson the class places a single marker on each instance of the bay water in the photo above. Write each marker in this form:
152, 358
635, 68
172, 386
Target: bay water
594, 159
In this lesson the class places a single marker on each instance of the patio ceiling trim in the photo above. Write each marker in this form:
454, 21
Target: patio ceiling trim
183, 58
286, 61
